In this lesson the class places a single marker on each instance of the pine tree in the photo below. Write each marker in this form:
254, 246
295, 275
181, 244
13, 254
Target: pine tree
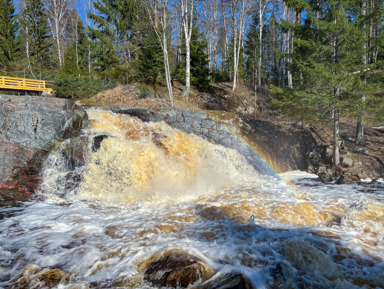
36, 36
10, 44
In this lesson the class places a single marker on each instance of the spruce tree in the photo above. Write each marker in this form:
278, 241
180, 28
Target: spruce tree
150, 64
36, 36
199, 61
70, 66
113, 21
327, 57
10, 44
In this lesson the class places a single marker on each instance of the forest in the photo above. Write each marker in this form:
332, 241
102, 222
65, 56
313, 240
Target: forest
318, 60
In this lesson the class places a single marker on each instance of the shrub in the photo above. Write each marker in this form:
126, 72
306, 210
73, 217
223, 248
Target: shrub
79, 87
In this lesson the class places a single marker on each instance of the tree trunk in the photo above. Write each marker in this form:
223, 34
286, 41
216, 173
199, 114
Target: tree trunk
289, 60
261, 24
156, 14
360, 118
187, 7
235, 34
336, 135
187, 69
225, 34
58, 43
167, 70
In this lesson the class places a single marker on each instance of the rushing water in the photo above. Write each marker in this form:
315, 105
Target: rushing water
147, 189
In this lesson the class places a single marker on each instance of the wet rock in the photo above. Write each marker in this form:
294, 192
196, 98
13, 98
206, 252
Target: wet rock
36, 277
30, 126
175, 270
7, 201
347, 179
8, 185
97, 140
284, 277
232, 281
310, 260
290, 148
325, 175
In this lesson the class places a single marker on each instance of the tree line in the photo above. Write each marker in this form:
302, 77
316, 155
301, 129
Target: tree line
321, 59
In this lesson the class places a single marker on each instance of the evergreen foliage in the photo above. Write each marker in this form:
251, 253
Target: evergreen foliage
36, 35
251, 46
70, 66
67, 86
10, 43
114, 22
150, 64
199, 61
328, 53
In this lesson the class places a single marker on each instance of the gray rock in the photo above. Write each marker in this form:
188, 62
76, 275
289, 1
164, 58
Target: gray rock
310, 260
37, 122
324, 174
346, 162
30, 128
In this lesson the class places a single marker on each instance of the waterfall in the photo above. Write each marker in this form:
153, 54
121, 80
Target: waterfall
127, 160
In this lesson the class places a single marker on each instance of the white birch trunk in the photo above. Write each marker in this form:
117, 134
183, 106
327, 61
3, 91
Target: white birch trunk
187, 7
360, 118
57, 14
161, 33
238, 33
261, 25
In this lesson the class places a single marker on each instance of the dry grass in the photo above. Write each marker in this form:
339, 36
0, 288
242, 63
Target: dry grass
220, 97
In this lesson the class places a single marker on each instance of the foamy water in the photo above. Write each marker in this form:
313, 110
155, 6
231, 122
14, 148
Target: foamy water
292, 231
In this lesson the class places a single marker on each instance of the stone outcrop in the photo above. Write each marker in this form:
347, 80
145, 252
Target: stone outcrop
30, 127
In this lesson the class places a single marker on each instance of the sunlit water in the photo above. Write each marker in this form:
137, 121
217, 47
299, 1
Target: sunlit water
149, 189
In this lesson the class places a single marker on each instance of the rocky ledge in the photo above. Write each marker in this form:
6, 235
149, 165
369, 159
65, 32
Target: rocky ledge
30, 128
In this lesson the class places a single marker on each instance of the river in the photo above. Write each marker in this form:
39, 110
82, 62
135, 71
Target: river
147, 191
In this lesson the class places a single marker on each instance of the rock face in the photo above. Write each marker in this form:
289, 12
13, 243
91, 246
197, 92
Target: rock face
289, 148
30, 127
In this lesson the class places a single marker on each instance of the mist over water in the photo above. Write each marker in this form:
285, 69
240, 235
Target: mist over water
147, 189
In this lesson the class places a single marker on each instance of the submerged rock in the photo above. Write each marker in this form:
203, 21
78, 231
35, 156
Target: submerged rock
176, 270
232, 281
284, 277
310, 260
36, 277
7, 201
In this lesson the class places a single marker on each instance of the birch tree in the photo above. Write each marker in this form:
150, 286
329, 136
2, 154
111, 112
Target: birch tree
211, 24
239, 12
186, 10
158, 15
262, 6
57, 17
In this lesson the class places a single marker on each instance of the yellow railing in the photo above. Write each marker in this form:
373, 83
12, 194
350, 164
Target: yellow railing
24, 84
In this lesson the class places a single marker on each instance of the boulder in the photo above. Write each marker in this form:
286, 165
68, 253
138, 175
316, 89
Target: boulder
175, 271
346, 162
30, 128
35, 277
325, 175
310, 260
232, 281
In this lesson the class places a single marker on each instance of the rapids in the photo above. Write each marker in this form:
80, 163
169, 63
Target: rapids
143, 190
